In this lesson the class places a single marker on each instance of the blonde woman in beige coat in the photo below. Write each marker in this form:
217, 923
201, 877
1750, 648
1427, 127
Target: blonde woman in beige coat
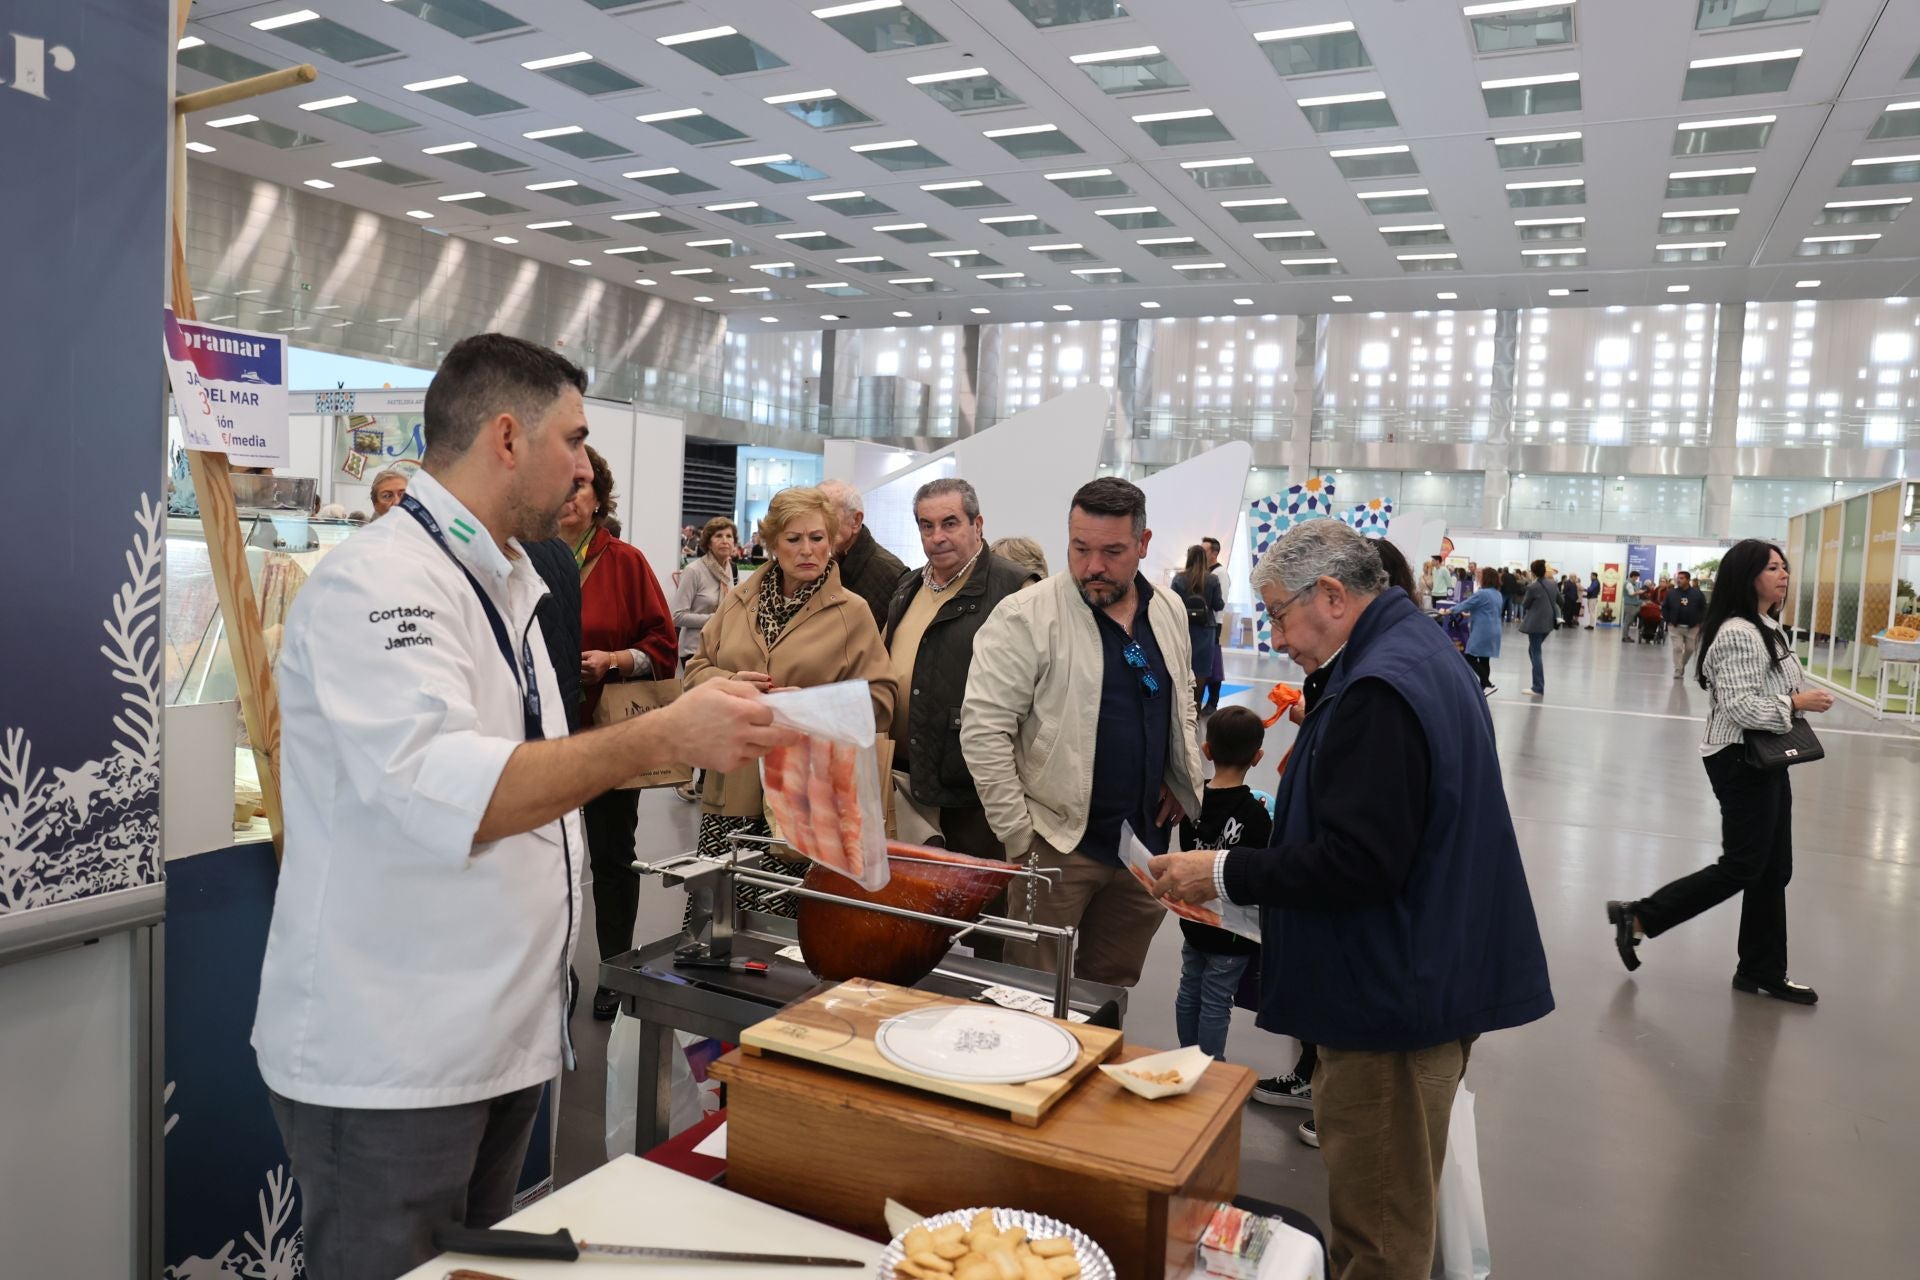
792, 624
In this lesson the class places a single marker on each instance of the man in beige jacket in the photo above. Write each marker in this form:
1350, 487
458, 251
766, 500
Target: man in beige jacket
1078, 719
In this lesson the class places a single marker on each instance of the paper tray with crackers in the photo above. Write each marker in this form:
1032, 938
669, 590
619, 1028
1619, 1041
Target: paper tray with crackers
993, 1244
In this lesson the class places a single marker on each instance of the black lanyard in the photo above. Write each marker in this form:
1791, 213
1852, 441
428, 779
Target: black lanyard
530, 686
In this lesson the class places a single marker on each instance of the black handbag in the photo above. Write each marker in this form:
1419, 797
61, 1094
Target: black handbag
1797, 745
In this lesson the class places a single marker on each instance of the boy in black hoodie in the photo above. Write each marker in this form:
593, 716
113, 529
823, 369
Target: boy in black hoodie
1212, 961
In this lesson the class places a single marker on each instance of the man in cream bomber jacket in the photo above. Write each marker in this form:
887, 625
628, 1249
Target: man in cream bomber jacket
1079, 719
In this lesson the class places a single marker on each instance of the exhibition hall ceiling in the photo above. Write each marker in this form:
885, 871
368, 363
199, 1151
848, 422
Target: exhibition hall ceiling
799, 164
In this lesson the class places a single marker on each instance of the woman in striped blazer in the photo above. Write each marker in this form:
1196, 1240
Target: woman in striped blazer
1748, 668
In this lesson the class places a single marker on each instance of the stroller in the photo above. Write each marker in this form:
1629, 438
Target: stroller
1653, 627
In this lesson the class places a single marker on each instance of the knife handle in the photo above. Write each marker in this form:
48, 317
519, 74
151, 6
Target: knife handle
491, 1242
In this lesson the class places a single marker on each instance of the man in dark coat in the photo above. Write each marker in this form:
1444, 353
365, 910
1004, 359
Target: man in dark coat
868, 569
1396, 925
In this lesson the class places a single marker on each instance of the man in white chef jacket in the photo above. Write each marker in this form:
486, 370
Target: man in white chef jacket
415, 992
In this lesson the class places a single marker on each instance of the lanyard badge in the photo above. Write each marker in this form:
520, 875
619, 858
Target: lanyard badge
529, 686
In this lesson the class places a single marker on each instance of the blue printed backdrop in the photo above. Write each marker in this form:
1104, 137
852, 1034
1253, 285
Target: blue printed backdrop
83, 141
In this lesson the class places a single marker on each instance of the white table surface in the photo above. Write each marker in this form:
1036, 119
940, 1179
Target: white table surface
633, 1201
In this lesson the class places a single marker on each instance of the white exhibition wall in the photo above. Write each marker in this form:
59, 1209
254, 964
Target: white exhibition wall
647, 455
863, 464
1202, 497
1024, 468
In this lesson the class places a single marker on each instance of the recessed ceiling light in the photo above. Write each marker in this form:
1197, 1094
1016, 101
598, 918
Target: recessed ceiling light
1071, 174
319, 185
894, 145
246, 293
1875, 235
558, 60
1884, 160
902, 315
1243, 302
1521, 82
1522, 139
1409, 226
229, 121
771, 266
1558, 293
1692, 244
1679, 288
1115, 55
938, 77
858, 6
1424, 257
727, 207
326, 104
1446, 297
648, 283
634, 217
753, 288
1344, 152
632, 248
1295, 262
1702, 213
693, 271
200, 147
1001, 275
1249, 204
1215, 266
839, 195
1725, 124
1151, 306
1061, 306
952, 186
903, 226
831, 316
356, 163
1055, 248
805, 95
505, 240
1343, 297
1299, 33
912, 280
708, 244
1511, 6
1166, 240
1335, 99
579, 262
1736, 59
188, 42
679, 113
422, 214
1538, 253
1714, 173
980, 311
1011, 217
558, 131
800, 235
1547, 182
1121, 213
1392, 195
688, 37
1152, 117
447, 148
547, 226
871, 257
556, 185
1867, 204
769, 319
284, 20
1547, 222
1903, 106
1806, 284
443, 82
1019, 130
1096, 271
953, 253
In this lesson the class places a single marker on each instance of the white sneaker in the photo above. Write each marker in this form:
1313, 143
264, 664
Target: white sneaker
1490, 690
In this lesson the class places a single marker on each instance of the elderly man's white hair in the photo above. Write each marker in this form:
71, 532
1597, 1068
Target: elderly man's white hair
844, 496
1320, 549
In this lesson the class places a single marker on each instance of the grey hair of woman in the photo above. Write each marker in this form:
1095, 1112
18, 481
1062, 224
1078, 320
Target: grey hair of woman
1320, 549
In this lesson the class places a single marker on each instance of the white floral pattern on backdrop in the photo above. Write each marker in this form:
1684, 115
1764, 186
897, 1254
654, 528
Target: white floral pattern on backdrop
73, 832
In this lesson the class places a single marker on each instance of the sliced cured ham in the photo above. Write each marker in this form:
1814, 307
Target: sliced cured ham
782, 798
846, 796
824, 803
841, 942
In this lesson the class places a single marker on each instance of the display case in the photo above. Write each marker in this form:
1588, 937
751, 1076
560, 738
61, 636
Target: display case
282, 548
1855, 563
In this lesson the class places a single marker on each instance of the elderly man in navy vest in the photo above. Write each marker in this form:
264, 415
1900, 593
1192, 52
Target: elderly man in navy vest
1396, 922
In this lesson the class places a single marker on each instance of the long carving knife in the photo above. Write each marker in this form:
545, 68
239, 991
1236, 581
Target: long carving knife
560, 1246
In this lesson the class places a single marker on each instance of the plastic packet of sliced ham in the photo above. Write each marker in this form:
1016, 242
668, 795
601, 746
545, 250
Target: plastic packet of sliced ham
823, 794
1217, 912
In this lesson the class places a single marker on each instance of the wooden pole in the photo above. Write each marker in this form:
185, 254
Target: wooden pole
213, 479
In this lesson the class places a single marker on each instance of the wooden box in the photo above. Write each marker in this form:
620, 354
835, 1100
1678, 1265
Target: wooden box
1140, 1177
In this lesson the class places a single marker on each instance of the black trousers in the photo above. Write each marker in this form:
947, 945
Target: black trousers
609, 819
1482, 667
1756, 861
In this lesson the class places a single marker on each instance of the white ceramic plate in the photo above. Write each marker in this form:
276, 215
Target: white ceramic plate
1094, 1263
977, 1044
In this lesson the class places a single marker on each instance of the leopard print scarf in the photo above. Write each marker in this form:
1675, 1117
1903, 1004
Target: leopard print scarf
775, 609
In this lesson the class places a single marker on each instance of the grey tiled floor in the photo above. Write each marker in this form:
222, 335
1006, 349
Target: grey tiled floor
1656, 1124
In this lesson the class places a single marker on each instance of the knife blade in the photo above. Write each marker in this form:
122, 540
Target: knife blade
560, 1246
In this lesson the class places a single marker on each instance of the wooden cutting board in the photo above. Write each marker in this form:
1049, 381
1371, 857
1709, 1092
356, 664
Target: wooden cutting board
836, 1029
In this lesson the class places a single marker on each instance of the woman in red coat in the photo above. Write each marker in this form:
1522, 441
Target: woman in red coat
626, 633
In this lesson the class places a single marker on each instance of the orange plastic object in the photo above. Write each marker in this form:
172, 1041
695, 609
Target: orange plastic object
846, 942
1283, 696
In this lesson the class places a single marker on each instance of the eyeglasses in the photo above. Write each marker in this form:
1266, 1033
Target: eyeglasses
1277, 617
1136, 657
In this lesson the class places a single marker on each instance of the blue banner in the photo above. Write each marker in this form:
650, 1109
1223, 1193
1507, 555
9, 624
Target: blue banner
84, 119
1640, 560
